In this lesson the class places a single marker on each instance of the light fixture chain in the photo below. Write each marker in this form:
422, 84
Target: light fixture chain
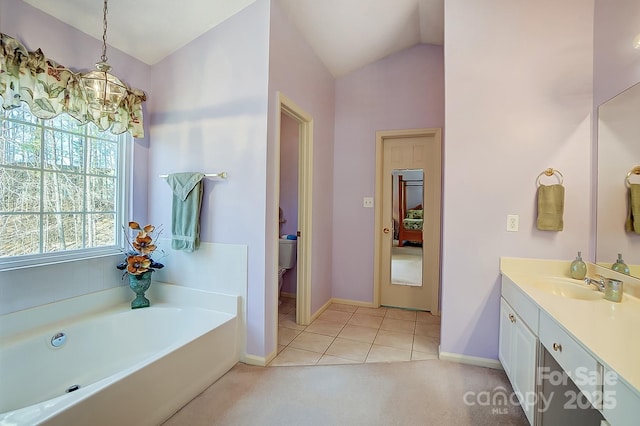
103, 91
103, 58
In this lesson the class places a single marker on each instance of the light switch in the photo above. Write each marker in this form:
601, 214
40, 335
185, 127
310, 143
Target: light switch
367, 202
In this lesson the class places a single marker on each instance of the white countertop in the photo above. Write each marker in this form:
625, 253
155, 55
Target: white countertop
610, 331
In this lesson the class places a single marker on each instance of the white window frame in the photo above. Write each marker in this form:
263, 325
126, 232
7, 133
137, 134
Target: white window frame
122, 210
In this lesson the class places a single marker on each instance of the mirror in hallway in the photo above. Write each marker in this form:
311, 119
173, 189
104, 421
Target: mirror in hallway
408, 218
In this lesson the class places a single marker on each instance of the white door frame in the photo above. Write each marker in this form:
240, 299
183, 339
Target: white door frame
380, 137
305, 190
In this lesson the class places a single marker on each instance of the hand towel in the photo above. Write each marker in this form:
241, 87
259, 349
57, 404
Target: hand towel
633, 209
550, 207
185, 211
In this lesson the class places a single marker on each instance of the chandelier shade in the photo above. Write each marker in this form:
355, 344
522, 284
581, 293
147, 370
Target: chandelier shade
103, 91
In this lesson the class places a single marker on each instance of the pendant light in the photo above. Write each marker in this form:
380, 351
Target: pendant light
103, 91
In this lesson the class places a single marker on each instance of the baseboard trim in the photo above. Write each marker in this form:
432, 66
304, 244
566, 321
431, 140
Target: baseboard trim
341, 301
258, 360
352, 302
320, 311
471, 360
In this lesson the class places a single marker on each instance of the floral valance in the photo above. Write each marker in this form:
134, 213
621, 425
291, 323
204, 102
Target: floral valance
51, 89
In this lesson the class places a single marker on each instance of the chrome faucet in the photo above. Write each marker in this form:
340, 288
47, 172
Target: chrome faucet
598, 282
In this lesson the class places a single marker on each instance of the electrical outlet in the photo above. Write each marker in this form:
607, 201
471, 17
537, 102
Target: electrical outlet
513, 222
367, 202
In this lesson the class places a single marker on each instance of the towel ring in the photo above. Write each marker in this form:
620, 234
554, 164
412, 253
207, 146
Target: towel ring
551, 172
634, 171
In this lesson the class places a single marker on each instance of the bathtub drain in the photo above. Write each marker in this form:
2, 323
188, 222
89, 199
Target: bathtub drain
72, 388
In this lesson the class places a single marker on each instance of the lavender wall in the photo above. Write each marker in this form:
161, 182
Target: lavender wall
402, 91
518, 100
76, 50
208, 114
296, 71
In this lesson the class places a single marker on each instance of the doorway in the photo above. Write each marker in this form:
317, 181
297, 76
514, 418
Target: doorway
407, 219
287, 108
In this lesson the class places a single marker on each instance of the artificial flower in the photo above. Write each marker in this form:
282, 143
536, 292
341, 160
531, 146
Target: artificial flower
138, 260
144, 244
138, 264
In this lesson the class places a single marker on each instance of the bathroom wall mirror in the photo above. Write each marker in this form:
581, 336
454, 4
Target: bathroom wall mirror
408, 218
618, 154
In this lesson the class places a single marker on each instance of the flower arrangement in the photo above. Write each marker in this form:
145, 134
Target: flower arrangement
138, 260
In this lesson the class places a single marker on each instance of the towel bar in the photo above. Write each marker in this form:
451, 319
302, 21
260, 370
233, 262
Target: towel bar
222, 175
550, 172
634, 171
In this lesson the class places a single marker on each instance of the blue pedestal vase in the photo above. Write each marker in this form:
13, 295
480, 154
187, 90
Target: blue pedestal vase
140, 284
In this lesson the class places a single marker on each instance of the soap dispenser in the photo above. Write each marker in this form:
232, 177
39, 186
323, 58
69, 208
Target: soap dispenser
620, 266
578, 268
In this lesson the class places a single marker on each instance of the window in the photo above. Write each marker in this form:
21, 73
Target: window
62, 189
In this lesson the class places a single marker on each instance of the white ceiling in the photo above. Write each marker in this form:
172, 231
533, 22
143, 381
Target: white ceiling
348, 34
345, 34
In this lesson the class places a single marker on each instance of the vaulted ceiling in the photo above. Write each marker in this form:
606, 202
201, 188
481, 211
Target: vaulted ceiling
345, 34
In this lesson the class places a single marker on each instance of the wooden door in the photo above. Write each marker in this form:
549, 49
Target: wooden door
409, 150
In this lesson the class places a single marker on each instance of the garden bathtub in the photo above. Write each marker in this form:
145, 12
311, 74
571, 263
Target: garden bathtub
114, 365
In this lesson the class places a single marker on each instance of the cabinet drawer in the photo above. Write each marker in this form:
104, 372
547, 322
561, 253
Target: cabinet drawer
621, 404
526, 309
583, 368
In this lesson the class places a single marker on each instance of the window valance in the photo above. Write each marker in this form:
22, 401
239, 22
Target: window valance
51, 89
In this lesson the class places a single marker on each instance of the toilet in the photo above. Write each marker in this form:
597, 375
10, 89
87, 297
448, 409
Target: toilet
286, 260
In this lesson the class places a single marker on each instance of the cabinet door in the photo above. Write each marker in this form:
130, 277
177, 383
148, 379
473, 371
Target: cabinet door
523, 371
506, 337
517, 351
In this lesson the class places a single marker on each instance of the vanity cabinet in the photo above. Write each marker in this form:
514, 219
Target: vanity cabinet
524, 330
559, 377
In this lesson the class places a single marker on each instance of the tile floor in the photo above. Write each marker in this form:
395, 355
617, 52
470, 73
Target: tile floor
347, 334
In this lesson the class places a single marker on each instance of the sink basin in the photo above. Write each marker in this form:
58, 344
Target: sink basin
568, 288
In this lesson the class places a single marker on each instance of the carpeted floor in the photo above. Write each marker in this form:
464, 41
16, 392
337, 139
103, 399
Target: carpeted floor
431, 392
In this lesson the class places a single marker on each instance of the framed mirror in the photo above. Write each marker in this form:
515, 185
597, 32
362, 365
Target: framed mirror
618, 155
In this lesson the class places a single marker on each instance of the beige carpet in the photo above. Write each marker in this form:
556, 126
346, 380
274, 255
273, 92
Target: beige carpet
421, 393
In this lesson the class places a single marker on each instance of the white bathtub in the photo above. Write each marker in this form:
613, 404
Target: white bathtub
133, 367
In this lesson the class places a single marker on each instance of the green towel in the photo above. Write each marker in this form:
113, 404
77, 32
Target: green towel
185, 212
550, 207
633, 209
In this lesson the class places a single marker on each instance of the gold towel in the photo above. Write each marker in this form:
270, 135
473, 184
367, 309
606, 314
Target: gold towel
550, 207
633, 209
